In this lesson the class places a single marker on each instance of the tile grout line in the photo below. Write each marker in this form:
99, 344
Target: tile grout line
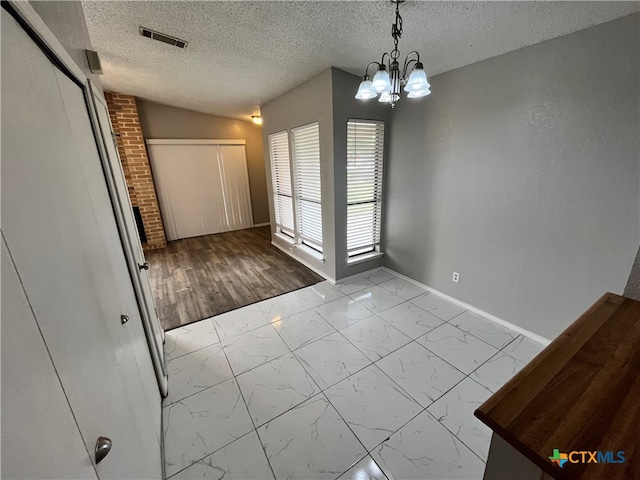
344, 295
197, 349
455, 436
352, 432
373, 362
377, 314
422, 409
321, 391
301, 366
499, 350
254, 429
433, 402
209, 454
339, 331
246, 405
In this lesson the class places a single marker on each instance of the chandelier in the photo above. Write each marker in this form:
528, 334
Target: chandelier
388, 80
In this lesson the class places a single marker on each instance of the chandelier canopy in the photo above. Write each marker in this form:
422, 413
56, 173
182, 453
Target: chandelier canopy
388, 80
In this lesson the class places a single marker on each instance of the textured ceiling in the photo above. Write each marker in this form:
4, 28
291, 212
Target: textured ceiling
243, 54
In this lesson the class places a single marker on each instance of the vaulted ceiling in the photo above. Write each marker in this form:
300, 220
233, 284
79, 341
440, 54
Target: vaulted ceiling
242, 54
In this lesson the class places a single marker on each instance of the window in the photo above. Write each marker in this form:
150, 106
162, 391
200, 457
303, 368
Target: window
306, 166
365, 145
281, 178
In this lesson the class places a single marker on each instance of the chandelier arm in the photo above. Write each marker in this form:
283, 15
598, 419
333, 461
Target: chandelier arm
417, 55
407, 64
366, 71
407, 61
388, 61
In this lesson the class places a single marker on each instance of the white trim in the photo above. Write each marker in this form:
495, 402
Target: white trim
504, 323
204, 141
285, 238
365, 257
35, 23
310, 251
261, 224
305, 263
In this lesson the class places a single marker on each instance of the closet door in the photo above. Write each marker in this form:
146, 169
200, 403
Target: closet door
189, 189
131, 243
202, 186
233, 169
33, 412
55, 203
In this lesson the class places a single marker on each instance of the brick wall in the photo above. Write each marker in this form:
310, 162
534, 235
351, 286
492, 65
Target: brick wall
135, 163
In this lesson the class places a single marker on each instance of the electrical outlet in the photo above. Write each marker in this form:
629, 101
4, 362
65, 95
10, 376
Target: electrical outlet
456, 277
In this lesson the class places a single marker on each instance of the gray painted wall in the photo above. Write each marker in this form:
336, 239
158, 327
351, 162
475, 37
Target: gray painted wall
521, 173
66, 21
163, 121
307, 103
345, 107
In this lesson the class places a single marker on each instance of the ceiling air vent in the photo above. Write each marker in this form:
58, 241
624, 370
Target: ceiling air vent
161, 37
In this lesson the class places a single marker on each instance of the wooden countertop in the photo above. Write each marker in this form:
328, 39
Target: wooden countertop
581, 393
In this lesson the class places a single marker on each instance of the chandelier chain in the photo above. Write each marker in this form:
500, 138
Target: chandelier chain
396, 33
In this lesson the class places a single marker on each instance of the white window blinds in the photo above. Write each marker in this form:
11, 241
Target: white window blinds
281, 178
306, 160
365, 146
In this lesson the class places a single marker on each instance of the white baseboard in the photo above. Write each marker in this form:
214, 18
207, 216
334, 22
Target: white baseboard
261, 224
523, 331
305, 263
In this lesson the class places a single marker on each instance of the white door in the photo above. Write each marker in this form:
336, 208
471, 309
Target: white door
33, 413
202, 186
65, 247
131, 241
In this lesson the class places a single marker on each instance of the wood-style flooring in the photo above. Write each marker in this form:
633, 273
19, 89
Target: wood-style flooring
196, 278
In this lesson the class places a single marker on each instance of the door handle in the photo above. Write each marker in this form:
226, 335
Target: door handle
144, 266
103, 447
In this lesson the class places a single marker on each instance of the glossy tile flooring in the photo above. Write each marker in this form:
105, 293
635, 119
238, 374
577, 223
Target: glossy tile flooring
370, 378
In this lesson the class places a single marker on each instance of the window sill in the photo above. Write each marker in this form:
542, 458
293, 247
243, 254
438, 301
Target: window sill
299, 246
310, 251
365, 257
285, 238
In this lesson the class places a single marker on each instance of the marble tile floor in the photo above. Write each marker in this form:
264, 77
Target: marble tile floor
373, 378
